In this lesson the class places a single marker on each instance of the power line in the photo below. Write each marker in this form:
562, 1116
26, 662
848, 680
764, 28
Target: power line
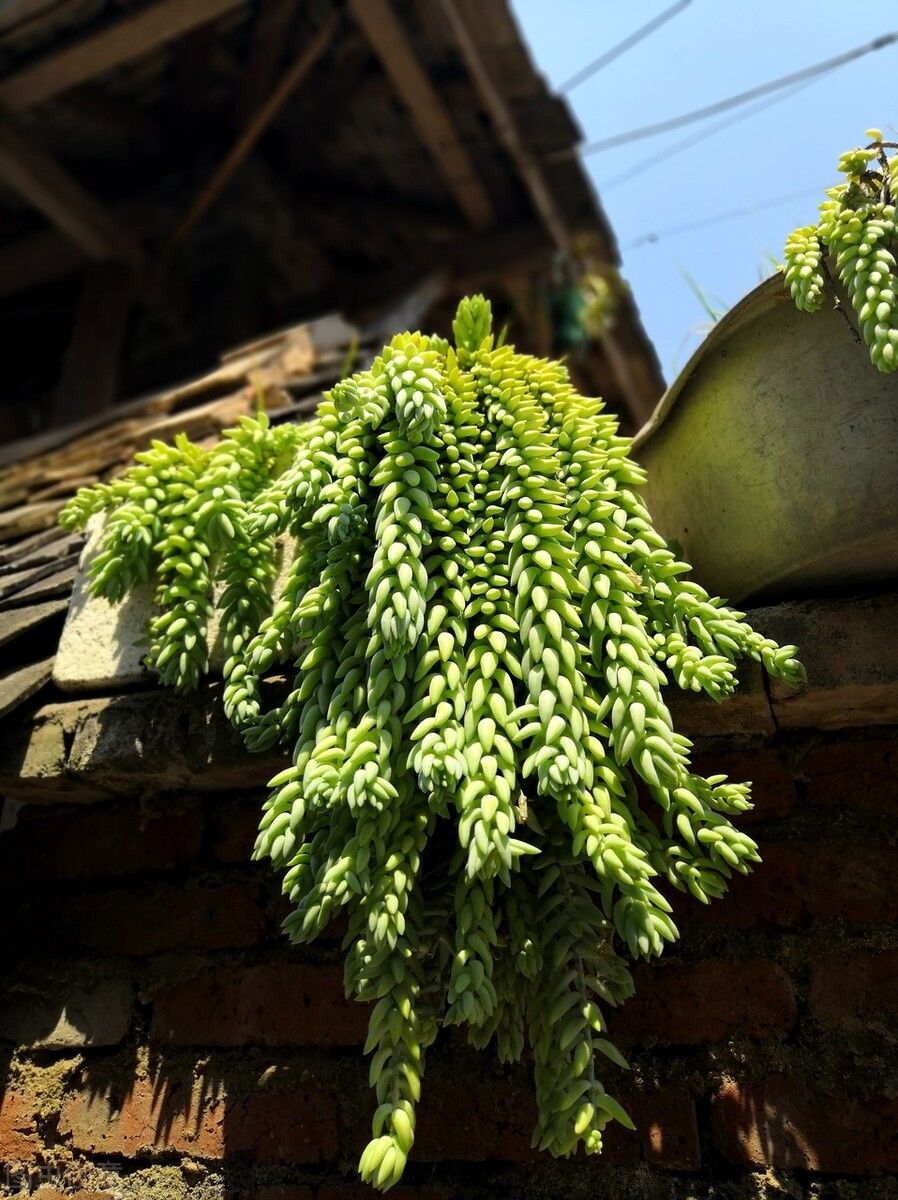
685, 143
633, 39
647, 239
710, 110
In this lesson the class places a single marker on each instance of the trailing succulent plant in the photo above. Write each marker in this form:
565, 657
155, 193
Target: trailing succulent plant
855, 239
484, 772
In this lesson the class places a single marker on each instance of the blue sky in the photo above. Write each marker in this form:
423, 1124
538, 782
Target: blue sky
711, 49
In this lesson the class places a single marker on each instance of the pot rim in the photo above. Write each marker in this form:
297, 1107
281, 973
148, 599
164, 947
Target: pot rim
761, 299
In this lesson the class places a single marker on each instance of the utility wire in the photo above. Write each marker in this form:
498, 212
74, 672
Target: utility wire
649, 239
685, 143
599, 64
710, 110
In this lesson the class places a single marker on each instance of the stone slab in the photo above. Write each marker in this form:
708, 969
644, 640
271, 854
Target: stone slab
103, 645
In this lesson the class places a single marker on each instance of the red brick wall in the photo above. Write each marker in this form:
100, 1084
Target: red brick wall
159, 1038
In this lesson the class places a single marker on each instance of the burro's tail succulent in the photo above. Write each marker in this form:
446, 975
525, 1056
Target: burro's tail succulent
484, 772
855, 242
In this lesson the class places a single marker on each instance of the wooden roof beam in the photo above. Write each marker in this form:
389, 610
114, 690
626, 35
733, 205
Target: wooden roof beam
507, 129
90, 369
258, 123
541, 195
427, 111
269, 37
126, 40
50, 255
37, 177
37, 259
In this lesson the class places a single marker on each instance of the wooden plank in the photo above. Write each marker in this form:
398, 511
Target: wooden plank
32, 172
427, 111
125, 41
64, 487
90, 370
257, 125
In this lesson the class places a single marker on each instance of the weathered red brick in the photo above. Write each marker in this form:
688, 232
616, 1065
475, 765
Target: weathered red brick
857, 990
470, 1121
300, 1127
787, 1123
690, 1003
234, 827
150, 1117
773, 789
112, 839
803, 881
479, 1120
358, 1191
272, 1004
275, 1191
147, 919
747, 711
19, 1141
668, 1129
851, 654
858, 774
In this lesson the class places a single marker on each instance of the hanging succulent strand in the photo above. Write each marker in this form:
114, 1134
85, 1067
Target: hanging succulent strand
856, 241
483, 621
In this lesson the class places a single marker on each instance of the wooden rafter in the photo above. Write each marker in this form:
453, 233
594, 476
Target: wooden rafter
90, 370
507, 129
37, 259
259, 122
266, 53
36, 176
427, 111
472, 263
126, 40
50, 254
532, 174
